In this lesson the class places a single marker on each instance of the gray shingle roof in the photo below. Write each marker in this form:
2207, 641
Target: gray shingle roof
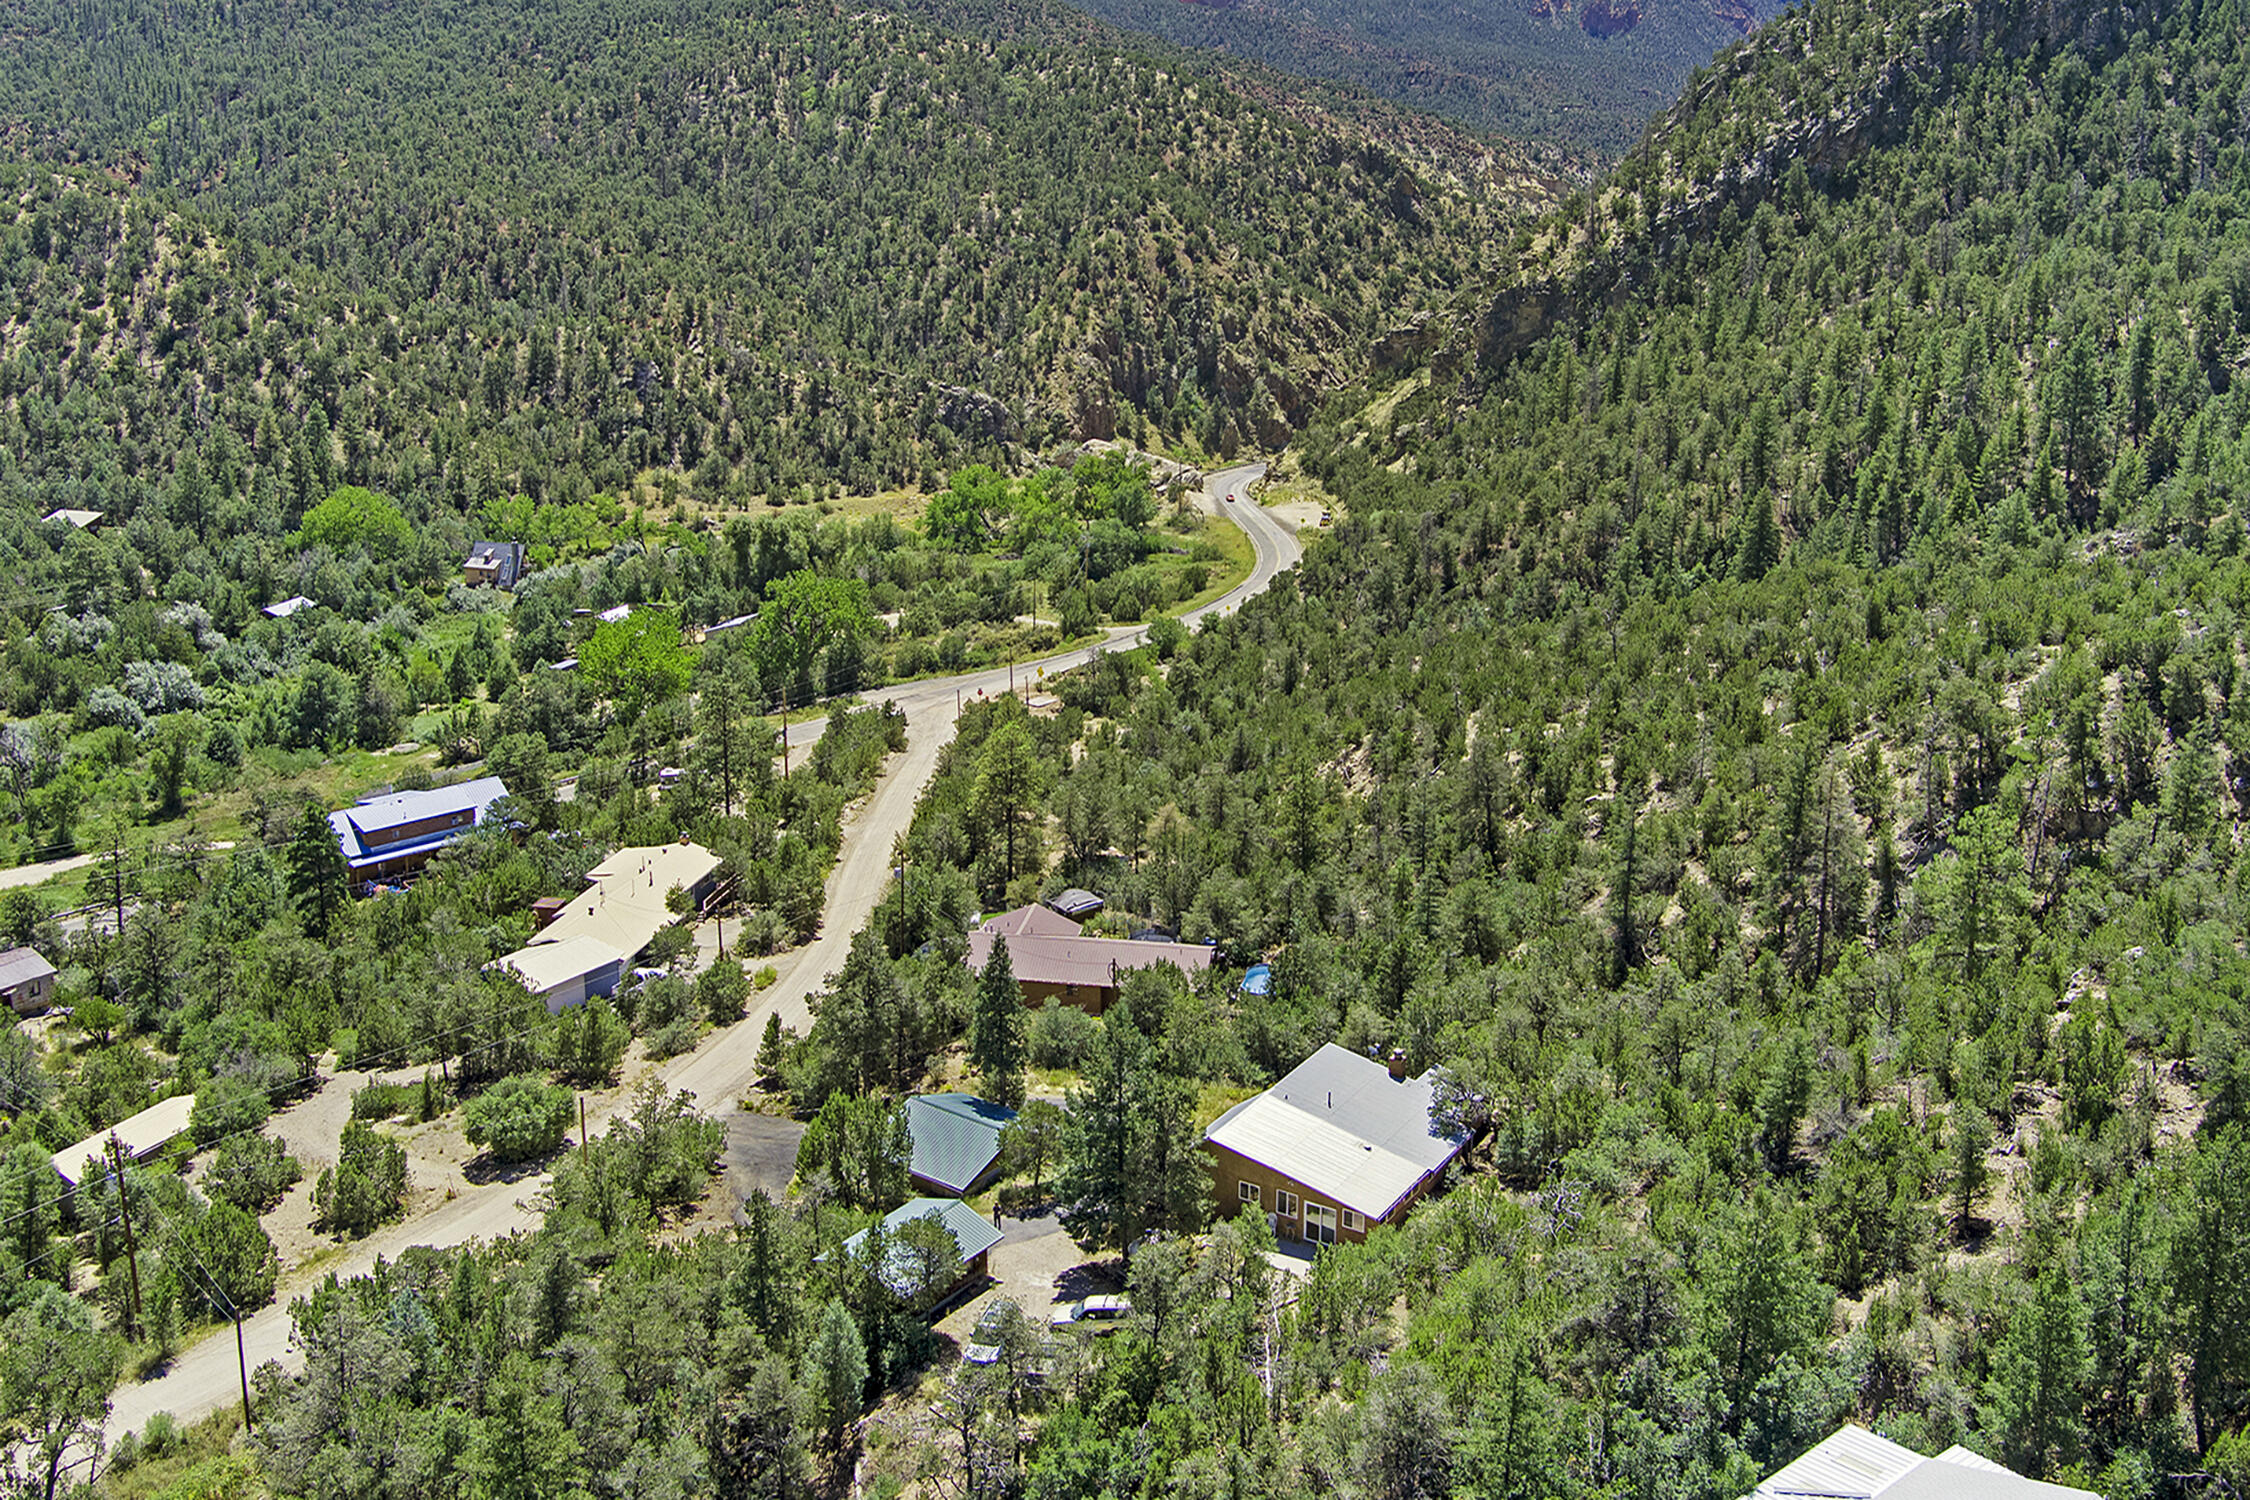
956, 1138
18, 965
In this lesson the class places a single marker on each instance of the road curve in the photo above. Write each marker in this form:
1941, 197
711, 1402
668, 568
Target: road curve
721, 1070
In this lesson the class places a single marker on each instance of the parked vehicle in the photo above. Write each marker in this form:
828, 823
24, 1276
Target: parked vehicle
1102, 1314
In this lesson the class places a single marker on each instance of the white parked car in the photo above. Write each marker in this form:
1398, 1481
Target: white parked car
1098, 1313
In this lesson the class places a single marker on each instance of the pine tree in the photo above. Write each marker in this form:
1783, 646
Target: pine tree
996, 1034
2039, 1376
836, 1369
317, 872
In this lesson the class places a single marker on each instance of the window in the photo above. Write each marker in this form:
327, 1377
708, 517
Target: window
1248, 1193
1285, 1204
1320, 1224
1352, 1219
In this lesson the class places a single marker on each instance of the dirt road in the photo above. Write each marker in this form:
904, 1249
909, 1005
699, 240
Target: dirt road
721, 1070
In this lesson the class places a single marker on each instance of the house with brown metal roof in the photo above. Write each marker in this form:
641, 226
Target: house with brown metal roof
1053, 958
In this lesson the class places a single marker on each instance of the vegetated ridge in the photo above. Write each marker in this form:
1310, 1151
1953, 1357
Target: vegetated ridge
770, 249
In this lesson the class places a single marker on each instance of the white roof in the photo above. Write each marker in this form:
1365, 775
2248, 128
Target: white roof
1855, 1464
143, 1134
1341, 1125
1327, 1159
288, 607
78, 518
614, 613
549, 966
623, 903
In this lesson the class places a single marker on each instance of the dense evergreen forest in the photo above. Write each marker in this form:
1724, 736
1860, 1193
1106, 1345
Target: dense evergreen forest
770, 251
1765, 724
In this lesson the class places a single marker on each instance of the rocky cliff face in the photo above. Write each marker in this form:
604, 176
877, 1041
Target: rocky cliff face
1608, 18
1875, 109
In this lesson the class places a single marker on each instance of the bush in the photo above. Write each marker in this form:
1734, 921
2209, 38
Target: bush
367, 1186
252, 1172
674, 1037
1061, 1036
384, 1101
519, 1118
722, 990
226, 1105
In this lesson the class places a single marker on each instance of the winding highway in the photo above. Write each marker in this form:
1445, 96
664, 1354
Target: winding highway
721, 1070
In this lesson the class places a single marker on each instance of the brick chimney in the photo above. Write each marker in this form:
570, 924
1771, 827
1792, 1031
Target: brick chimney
1397, 1064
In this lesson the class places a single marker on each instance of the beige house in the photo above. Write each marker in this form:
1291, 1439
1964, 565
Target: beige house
1342, 1144
1052, 958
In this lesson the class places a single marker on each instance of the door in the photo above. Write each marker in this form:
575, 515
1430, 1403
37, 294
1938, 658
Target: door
1320, 1224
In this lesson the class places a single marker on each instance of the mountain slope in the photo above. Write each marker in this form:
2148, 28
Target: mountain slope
771, 247
1589, 75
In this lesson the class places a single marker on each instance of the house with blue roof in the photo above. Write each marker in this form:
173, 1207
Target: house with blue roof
399, 832
956, 1142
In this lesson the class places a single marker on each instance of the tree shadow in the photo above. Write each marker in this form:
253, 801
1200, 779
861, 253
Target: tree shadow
484, 1169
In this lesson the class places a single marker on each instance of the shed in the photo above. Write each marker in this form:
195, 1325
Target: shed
288, 606
27, 981
142, 1135
1076, 904
956, 1141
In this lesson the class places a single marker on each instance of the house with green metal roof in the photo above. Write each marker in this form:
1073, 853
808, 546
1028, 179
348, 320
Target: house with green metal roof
956, 1142
972, 1235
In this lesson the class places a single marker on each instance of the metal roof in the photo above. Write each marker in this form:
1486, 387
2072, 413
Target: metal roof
956, 1138
288, 607
623, 904
1039, 959
78, 518
1040, 921
141, 1134
371, 816
971, 1233
1855, 1464
1343, 1127
18, 965
1076, 903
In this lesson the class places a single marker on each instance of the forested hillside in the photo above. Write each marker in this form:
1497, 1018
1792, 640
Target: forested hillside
774, 251
1768, 726
1589, 75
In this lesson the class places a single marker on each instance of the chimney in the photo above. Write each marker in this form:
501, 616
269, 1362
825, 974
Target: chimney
1397, 1063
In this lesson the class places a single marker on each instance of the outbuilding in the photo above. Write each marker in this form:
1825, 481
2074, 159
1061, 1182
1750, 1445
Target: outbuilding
27, 981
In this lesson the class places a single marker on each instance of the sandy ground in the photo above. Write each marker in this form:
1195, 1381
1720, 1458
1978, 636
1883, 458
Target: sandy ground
1298, 513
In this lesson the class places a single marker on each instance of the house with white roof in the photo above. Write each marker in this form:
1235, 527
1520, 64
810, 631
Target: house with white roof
139, 1136
594, 936
399, 832
1342, 1144
1855, 1464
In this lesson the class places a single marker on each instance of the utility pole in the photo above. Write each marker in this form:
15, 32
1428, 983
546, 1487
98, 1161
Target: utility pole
584, 1140
125, 1212
242, 1363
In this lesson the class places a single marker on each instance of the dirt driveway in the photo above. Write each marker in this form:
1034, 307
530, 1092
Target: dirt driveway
1039, 1267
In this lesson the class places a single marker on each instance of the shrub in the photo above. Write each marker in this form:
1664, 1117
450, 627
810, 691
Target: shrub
366, 1187
252, 1172
519, 1118
1061, 1036
226, 1105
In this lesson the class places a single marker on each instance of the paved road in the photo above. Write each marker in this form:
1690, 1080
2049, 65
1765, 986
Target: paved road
720, 1071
